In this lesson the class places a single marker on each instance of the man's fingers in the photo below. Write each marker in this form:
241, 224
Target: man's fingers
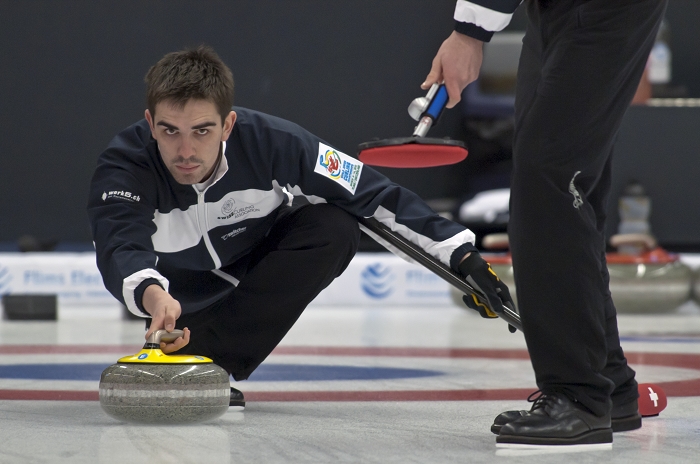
429, 81
435, 75
164, 319
185, 339
156, 324
171, 315
169, 347
169, 323
454, 92
177, 344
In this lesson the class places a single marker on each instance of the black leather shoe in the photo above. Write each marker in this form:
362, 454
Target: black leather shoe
556, 420
624, 417
237, 399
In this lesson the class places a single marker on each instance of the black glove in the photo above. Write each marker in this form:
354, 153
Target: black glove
480, 276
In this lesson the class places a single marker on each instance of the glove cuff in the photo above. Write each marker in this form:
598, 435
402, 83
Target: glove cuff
473, 262
459, 253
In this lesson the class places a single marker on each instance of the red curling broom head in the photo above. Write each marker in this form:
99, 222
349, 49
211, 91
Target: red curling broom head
412, 152
652, 399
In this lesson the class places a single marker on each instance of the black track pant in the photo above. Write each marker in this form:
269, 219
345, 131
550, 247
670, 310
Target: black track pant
302, 254
579, 69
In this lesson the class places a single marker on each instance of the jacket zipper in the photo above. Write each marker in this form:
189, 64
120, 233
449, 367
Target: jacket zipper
202, 211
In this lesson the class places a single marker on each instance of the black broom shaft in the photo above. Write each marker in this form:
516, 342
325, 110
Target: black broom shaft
444, 272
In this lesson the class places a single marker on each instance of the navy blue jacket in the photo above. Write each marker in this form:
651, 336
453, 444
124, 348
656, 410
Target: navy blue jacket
148, 228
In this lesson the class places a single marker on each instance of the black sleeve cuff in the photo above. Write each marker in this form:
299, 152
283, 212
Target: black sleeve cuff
459, 253
474, 31
138, 292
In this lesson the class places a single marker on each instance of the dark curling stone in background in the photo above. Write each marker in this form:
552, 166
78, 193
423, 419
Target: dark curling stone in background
29, 243
652, 281
29, 307
151, 387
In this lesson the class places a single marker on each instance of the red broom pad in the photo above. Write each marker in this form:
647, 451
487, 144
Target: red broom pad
412, 152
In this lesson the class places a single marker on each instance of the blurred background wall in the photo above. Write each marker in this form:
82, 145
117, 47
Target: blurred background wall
72, 77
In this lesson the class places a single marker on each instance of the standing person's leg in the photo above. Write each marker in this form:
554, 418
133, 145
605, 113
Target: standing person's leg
302, 254
590, 56
624, 415
624, 412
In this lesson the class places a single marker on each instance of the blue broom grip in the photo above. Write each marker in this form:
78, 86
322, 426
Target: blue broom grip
438, 103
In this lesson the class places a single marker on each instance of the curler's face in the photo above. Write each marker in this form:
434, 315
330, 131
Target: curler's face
189, 138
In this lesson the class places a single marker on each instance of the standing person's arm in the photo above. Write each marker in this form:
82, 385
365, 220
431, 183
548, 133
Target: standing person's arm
458, 60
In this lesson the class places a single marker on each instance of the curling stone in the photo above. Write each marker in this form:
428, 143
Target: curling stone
649, 280
652, 281
151, 387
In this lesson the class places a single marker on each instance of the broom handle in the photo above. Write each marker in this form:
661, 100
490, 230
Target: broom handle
442, 271
436, 100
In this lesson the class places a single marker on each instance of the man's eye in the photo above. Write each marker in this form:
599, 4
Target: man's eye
202, 131
170, 131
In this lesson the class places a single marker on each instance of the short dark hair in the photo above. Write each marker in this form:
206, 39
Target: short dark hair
190, 74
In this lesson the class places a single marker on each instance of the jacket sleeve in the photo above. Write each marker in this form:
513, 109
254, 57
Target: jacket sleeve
481, 18
307, 166
120, 210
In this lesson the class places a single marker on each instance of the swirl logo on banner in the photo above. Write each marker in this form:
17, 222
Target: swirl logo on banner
5, 279
378, 280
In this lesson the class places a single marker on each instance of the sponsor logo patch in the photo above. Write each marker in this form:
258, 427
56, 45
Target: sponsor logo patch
233, 233
239, 212
120, 195
339, 167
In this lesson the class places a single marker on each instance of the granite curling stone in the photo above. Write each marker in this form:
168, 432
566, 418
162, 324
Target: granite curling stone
649, 281
151, 387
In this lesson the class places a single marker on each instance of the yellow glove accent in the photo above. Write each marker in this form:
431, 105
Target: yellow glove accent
492, 272
488, 312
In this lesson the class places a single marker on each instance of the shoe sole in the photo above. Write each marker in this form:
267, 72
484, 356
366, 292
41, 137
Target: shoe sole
594, 437
512, 449
625, 424
622, 424
236, 405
